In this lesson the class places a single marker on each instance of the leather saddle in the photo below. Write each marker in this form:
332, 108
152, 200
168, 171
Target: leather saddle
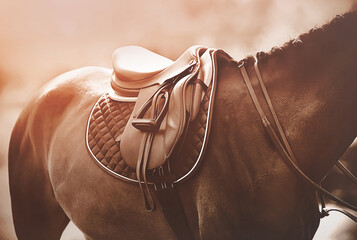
140, 126
168, 96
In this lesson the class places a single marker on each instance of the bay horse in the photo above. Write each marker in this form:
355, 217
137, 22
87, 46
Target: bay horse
242, 190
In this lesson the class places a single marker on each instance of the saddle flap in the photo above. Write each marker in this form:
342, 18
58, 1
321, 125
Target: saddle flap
165, 137
131, 137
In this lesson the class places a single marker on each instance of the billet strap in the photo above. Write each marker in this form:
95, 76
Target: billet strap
282, 146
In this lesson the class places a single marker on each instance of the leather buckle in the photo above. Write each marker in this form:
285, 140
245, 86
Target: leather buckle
164, 179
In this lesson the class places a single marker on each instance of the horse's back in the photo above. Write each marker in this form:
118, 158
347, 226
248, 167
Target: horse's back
52, 175
40, 117
29, 150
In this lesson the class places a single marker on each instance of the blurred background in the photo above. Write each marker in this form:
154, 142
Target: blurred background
40, 39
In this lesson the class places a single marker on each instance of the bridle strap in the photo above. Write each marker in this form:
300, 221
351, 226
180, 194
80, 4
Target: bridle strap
345, 171
348, 214
273, 112
282, 146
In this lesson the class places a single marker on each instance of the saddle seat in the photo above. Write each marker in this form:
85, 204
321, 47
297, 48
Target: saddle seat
136, 68
134, 63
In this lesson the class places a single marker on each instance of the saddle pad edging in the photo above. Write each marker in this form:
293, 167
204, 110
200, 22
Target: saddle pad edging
111, 172
204, 141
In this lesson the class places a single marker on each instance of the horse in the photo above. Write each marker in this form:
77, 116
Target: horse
243, 189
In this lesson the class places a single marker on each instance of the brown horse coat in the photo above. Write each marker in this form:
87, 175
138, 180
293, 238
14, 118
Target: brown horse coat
243, 189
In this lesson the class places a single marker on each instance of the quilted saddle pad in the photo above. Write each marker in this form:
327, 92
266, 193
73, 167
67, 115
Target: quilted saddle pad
107, 121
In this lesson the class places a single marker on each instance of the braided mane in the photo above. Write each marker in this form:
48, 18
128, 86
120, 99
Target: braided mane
341, 27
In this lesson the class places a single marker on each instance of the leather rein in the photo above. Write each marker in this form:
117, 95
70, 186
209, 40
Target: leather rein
281, 143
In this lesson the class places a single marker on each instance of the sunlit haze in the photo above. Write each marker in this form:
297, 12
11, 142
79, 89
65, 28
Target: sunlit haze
40, 39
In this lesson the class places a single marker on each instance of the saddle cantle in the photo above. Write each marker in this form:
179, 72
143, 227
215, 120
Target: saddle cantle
153, 126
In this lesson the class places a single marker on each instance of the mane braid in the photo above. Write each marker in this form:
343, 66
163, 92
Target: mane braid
339, 26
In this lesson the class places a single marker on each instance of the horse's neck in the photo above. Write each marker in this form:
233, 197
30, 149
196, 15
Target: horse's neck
314, 89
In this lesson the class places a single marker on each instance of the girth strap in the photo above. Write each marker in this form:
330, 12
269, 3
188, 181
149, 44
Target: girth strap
282, 146
170, 202
174, 212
